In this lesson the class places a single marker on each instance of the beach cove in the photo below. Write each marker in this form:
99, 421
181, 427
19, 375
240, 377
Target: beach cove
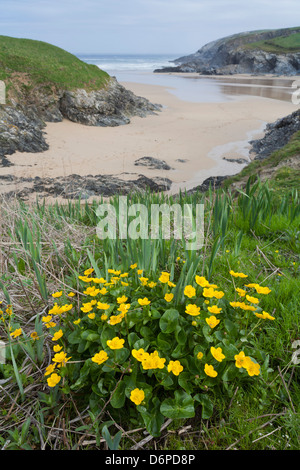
195, 138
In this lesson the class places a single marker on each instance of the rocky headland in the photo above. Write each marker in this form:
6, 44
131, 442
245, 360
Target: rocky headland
67, 89
256, 52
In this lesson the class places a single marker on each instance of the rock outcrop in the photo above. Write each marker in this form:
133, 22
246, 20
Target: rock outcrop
75, 186
22, 122
277, 135
242, 53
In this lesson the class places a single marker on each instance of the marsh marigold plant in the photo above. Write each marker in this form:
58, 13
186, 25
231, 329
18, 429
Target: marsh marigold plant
138, 341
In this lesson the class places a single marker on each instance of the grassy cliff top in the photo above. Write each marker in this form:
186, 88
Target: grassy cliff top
282, 44
41, 63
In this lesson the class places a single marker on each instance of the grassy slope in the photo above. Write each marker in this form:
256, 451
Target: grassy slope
279, 45
43, 64
282, 175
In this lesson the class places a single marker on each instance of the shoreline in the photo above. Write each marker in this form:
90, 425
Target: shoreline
192, 138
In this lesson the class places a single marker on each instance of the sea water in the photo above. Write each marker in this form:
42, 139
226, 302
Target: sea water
139, 68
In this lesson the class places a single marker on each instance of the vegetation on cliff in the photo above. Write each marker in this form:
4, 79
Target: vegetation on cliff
26, 64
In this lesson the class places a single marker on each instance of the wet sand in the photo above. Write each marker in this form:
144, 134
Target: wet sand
192, 137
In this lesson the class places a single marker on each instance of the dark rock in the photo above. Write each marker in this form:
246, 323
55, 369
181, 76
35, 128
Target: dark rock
213, 182
236, 160
18, 132
277, 135
152, 163
112, 106
75, 186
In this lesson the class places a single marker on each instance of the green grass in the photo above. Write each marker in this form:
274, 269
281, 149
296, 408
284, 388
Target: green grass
42, 64
278, 45
44, 248
282, 179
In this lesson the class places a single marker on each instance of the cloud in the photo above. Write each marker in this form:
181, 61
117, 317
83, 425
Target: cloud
181, 26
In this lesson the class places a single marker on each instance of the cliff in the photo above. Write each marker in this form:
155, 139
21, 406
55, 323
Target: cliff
257, 52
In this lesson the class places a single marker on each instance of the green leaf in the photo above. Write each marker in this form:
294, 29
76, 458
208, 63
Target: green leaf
118, 397
169, 321
207, 405
180, 407
231, 327
153, 419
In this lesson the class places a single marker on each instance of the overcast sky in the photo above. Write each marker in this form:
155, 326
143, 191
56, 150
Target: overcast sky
141, 26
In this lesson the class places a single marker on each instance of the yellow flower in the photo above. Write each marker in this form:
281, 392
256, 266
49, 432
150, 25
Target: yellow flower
190, 291
53, 380
212, 321
210, 371
208, 292
218, 294
34, 335
214, 309
199, 355
91, 315
237, 274
241, 292
133, 266
89, 271
169, 297
115, 343
201, 281
57, 348
61, 358
124, 308
86, 307
104, 317
192, 310
144, 301
71, 294
102, 306
137, 396
140, 271
16, 333
55, 310
76, 322
144, 280
171, 284
100, 357
85, 279
65, 308
97, 280
152, 284
139, 354
115, 319
252, 368
262, 290
243, 306
122, 299
252, 300
57, 335
264, 316
153, 361
217, 354
103, 291
165, 277
175, 367
240, 359
91, 291
49, 369
57, 294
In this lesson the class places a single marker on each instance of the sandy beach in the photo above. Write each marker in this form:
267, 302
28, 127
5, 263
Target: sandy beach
192, 137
